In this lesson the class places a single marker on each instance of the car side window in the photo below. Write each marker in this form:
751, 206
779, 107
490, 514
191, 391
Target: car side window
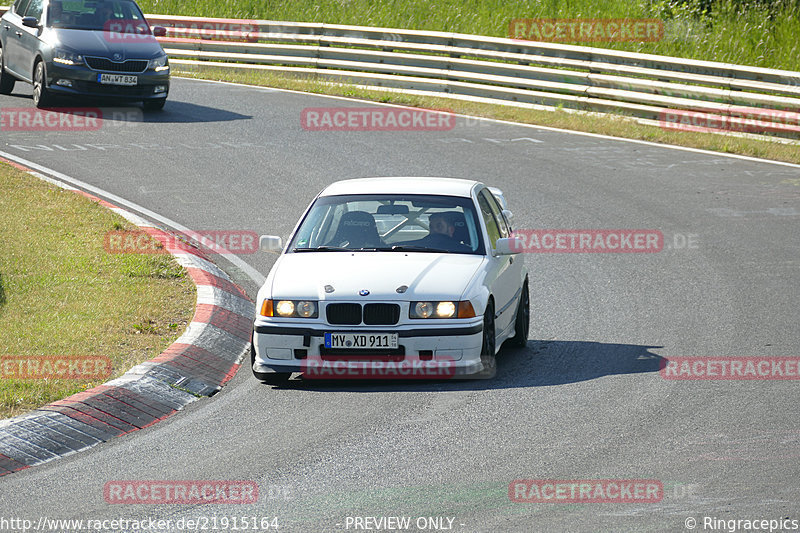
497, 212
488, 217
505, 227
20, 6
34, 9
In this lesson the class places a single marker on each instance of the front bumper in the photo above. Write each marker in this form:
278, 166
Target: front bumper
84, 83
453, 349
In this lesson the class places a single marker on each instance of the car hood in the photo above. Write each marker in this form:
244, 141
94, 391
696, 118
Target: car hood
428, 276
98, 43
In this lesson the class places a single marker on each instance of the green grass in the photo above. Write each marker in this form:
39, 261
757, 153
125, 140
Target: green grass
61, 294
757, 36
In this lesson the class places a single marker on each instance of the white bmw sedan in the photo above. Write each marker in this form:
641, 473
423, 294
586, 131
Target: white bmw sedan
393, 278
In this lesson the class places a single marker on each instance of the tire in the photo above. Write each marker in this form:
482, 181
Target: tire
488, 347
488, 358
41, 96
154, 105
523, 320
7, 81
270, 378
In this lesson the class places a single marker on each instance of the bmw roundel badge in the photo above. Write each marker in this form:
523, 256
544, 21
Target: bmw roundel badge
363, 292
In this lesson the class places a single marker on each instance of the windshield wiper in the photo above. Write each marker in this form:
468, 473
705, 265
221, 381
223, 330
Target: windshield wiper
323, 249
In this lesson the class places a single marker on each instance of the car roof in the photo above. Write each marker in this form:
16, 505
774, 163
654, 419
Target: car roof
402, 185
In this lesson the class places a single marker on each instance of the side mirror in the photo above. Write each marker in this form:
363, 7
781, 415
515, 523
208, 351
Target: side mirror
159, 31
30, 22
509, 246
270, 243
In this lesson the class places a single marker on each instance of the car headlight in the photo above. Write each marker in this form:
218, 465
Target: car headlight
66, 57
446, 309
289, 308
158, 64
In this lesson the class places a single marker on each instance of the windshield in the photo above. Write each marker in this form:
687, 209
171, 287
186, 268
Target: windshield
416, 223
120, 16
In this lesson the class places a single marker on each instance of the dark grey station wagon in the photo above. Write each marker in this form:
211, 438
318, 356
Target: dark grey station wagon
95, 48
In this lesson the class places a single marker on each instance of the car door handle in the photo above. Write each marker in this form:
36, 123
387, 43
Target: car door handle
6, 27
19, 33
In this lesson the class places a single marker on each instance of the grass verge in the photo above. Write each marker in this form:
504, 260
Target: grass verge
61, 294
605, 125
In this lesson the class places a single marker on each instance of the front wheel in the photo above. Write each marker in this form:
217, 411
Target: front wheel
7, 81
489, 343
41, 96
270, 378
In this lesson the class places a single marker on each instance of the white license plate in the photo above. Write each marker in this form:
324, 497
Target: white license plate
117, 79
361, 341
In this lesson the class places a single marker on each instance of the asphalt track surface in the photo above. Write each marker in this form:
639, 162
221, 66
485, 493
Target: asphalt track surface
584, 400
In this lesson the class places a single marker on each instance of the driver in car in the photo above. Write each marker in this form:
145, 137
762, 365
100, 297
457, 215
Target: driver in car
55, 14
104, 14
440, 225
441, 234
